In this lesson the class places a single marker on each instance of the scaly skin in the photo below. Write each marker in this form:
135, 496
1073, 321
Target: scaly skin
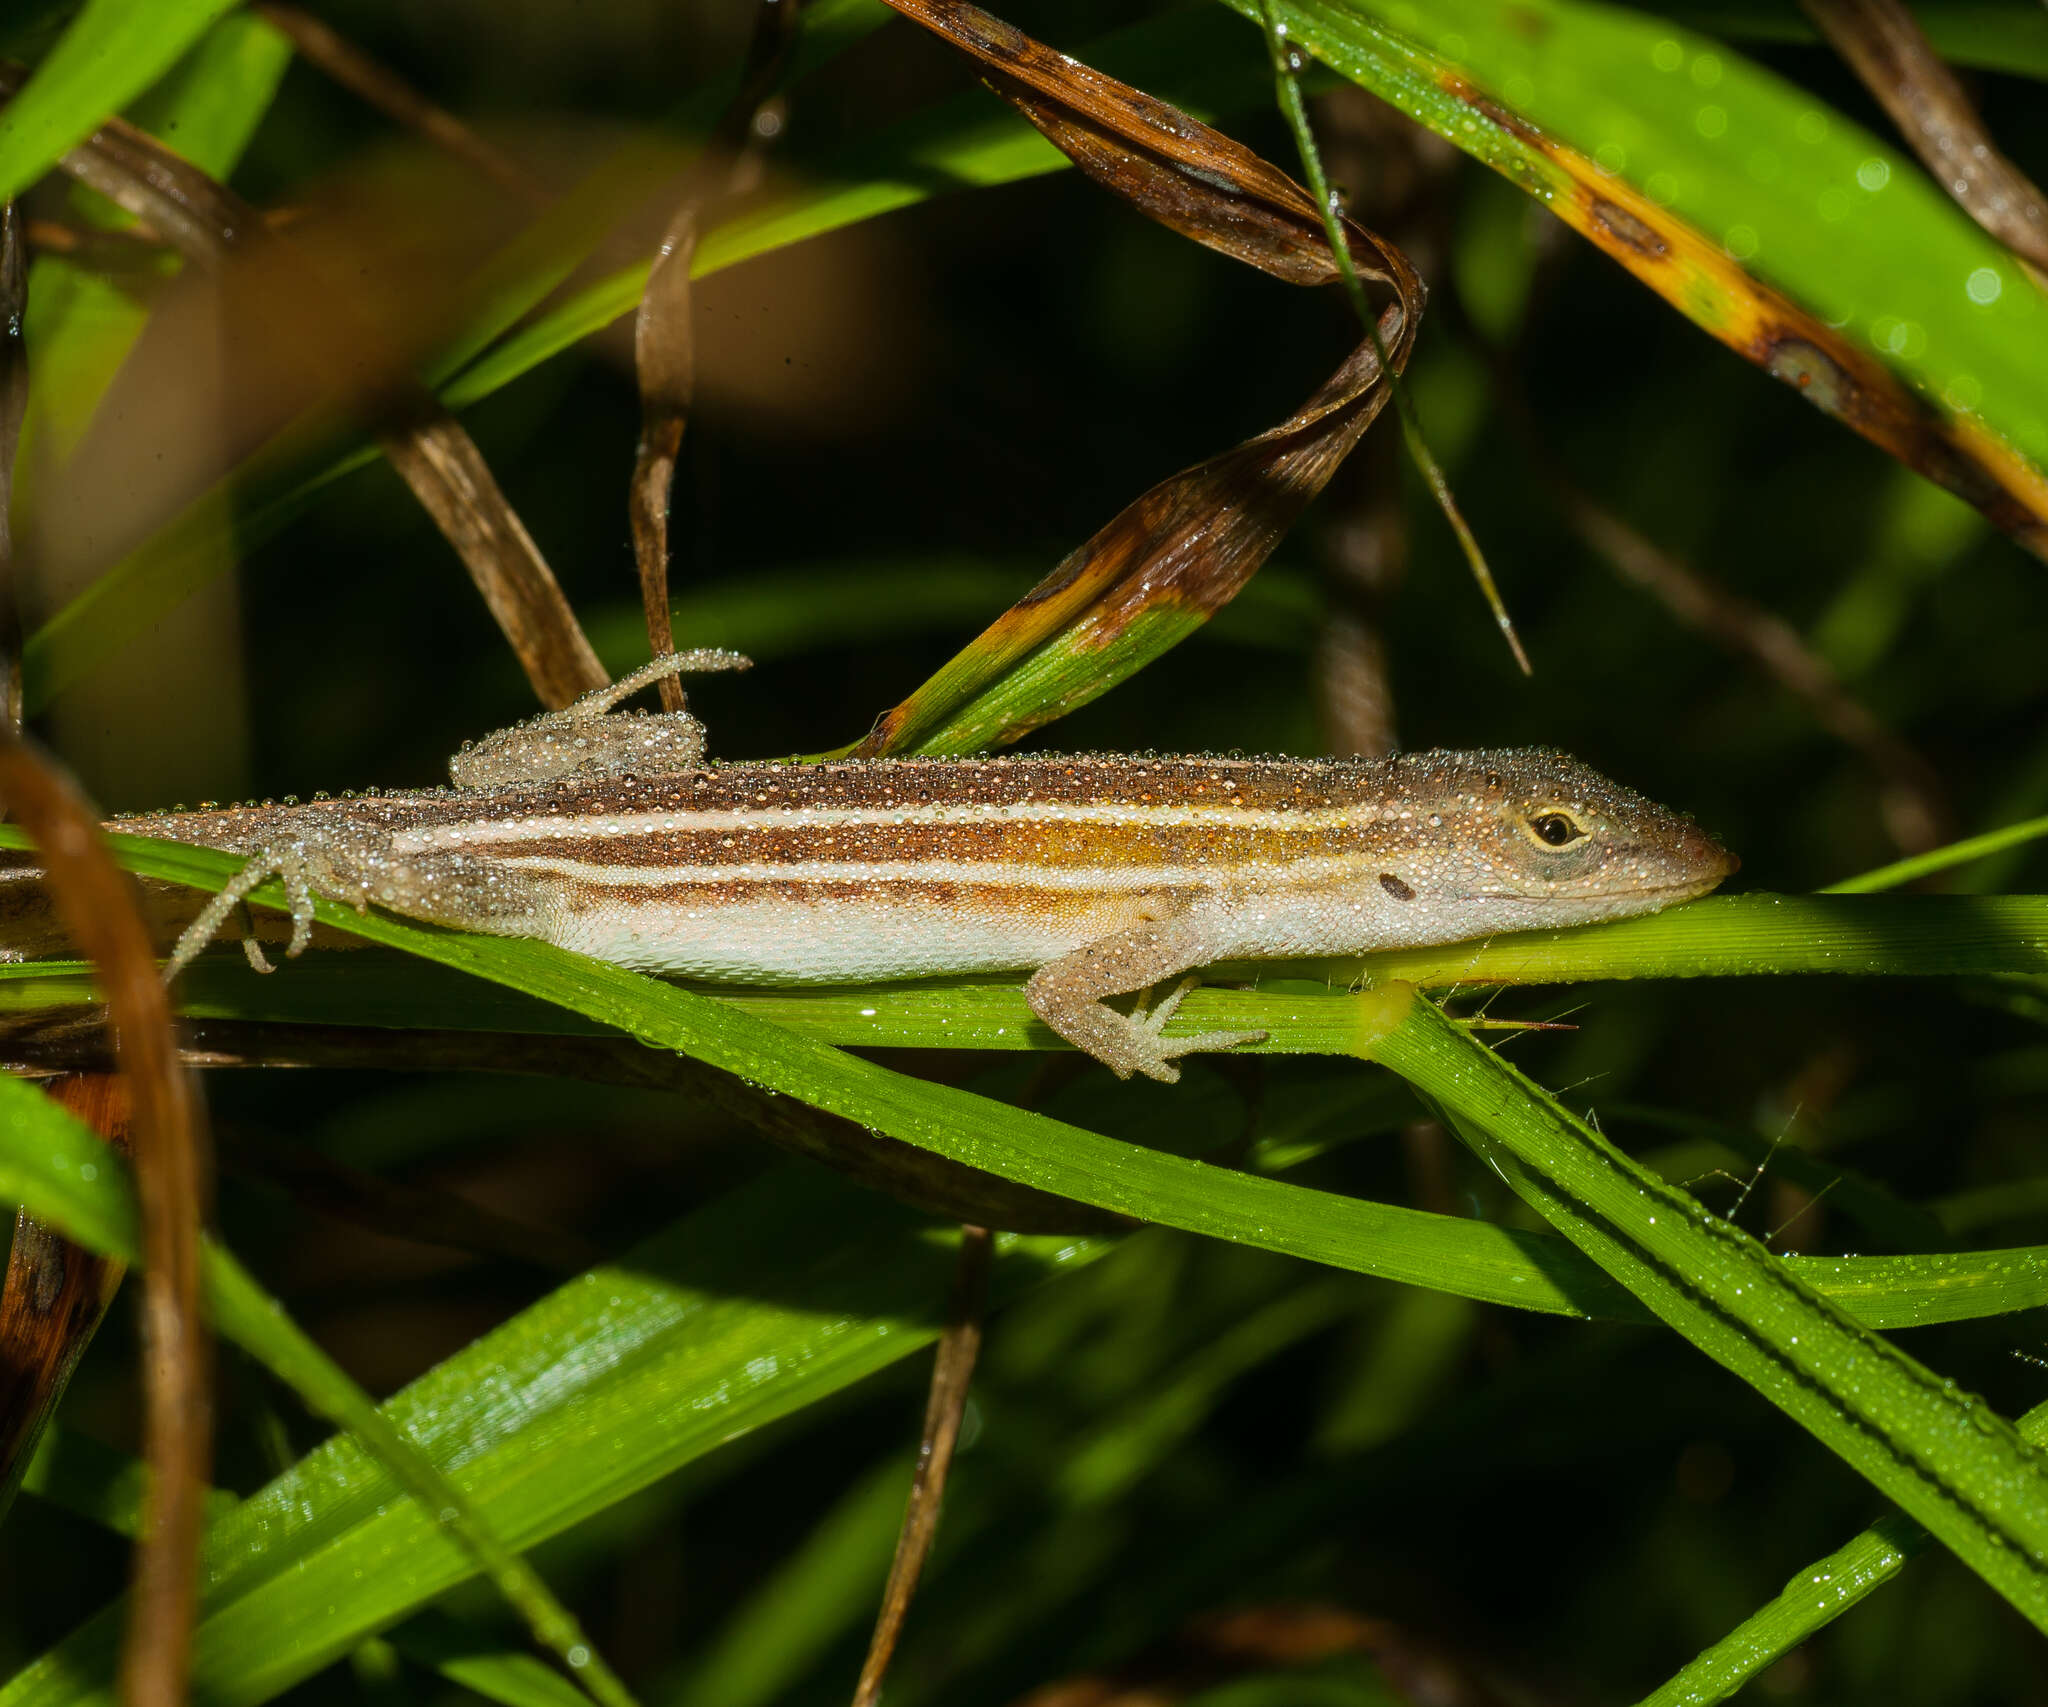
1100, 875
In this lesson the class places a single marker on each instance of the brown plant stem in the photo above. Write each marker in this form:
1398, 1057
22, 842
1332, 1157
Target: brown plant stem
664, 350
98, 903
1886, 48
945, 1405
320, 45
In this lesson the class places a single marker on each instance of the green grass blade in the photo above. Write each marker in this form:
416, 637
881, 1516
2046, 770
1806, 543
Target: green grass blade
79, 325
1473, 1259
1621, 121
260, 1327
1732, 936
766, 1302
113, 51
970, 142
1470, 1258
57, 1168
1970, 848
1815, 1597
481, 1666
78, 1474
1941, 1453
1303, 1004
550, 1477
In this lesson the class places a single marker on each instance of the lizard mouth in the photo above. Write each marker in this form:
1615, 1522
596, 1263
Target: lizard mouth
1685, 890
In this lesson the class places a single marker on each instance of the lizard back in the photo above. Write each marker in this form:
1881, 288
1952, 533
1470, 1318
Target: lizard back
860, 869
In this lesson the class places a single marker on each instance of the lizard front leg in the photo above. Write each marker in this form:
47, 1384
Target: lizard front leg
1067, 994
286, 863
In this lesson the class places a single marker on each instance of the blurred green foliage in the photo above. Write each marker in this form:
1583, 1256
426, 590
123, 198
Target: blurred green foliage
899, 425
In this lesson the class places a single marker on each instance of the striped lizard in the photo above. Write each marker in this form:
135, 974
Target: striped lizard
609, 833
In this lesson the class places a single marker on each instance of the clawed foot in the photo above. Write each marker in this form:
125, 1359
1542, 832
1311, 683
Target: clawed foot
1154, 1054
289, 866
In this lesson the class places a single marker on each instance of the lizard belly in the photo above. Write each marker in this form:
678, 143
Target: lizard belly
833, 939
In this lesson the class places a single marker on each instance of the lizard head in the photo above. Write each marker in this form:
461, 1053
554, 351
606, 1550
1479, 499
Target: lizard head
1552, 841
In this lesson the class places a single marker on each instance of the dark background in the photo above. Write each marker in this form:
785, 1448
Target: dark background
975, 385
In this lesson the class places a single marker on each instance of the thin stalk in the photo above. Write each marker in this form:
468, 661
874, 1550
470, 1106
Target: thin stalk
1287, 86
1940, 859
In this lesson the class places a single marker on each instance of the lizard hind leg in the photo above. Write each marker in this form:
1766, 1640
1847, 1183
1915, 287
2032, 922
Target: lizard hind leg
589, 739
286, 864
1067, 994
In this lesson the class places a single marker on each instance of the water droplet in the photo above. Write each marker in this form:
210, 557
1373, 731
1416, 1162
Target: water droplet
1984, 286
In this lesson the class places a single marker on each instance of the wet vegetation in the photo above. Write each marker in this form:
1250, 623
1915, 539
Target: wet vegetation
1365, 1367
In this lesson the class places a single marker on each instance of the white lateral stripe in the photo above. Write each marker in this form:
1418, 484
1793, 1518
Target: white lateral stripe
1293, 874
435, 838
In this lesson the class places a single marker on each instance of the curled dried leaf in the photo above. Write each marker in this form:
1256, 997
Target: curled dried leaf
54, 1295
1182, 550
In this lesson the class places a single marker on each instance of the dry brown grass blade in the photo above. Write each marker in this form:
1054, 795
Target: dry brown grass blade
945, 1405
665, 355
54, 1296
1185, 548
320, 45
1888, 50
210, 225
438, 459
663, 348
97, 901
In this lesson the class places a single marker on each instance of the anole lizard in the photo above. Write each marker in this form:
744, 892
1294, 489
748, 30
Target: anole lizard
609, 833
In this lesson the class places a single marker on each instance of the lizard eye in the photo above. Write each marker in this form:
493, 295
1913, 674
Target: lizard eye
1556, 829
